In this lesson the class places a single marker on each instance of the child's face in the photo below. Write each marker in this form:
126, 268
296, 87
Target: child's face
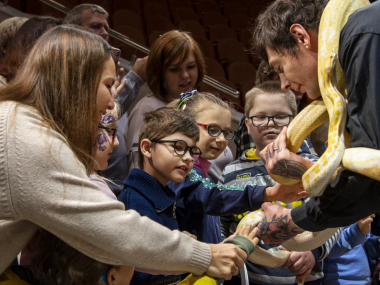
120, 276
212, 147
267, 106
104, 147
124, 275
165, 165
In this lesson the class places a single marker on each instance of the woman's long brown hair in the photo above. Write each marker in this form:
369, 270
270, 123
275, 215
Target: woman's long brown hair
60, 78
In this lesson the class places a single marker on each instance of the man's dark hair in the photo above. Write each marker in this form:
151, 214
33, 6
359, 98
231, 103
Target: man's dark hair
272, 26
164, 122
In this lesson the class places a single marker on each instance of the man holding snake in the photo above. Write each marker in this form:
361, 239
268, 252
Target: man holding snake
286, 36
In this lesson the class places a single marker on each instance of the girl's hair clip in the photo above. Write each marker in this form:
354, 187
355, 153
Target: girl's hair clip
184, 96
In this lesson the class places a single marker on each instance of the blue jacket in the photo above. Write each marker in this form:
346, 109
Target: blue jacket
347, 263
200, 203
150, 198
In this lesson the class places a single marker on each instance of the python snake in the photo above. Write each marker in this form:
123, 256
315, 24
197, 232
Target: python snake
332, 107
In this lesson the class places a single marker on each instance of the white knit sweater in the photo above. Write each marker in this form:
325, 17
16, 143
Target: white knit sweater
42, 184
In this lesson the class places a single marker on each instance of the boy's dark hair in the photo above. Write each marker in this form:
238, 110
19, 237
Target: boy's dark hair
270, 88
272, 26
57, 263
165, 122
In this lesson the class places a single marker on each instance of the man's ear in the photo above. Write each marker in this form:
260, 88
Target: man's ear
111, 276
246, 124
301, 35
146, 148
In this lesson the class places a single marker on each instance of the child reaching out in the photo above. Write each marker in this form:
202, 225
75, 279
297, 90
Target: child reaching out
200, 202
268, 110
104, 144
167, 151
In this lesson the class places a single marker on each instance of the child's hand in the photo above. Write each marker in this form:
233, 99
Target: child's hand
189, 234
248, 233
284, 193
364, 225
300, 263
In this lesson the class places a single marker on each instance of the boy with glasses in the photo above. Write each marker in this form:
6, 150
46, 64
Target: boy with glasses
268, 110
167, 152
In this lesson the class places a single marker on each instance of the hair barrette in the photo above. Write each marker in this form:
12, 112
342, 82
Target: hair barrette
184, 96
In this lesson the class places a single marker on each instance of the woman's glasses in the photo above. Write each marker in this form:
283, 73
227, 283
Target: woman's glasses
180, 148
110, 131
215, 131
263, 121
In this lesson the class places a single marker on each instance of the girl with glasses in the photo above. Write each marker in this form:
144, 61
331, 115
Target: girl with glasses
200, 202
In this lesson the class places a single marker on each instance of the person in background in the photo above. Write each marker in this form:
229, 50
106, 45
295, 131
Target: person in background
8, 29
175, 65
22, 43
94, 19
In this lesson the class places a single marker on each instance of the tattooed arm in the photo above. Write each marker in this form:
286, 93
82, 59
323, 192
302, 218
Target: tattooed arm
277, 225
280, 161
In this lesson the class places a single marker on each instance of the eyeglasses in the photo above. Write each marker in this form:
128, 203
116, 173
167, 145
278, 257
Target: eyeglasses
263, 121
180, 148
215, 131
108, 130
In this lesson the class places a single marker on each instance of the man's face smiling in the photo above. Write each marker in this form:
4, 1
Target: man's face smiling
299, 72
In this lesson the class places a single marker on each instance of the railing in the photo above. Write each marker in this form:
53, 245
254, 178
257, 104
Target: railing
208, 80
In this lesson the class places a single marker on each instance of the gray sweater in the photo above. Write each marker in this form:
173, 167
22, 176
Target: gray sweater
42, 184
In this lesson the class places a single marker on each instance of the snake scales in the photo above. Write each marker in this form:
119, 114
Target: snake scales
333, 108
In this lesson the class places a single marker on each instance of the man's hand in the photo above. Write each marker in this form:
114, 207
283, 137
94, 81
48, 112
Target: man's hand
119, 85
300, 263
280, 161
277, 225
284, 193
226, 259
140, 67
364, 225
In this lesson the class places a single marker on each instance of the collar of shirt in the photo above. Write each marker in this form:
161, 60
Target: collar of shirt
203, 165
148, 186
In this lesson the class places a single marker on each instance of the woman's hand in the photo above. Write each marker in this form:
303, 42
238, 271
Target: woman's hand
226, 259
280, 161
277, 226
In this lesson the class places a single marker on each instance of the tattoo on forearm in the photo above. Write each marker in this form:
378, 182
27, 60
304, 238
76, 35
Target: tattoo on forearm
289, 168
278, 230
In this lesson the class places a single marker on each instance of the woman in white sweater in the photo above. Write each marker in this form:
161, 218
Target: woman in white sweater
49, 117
